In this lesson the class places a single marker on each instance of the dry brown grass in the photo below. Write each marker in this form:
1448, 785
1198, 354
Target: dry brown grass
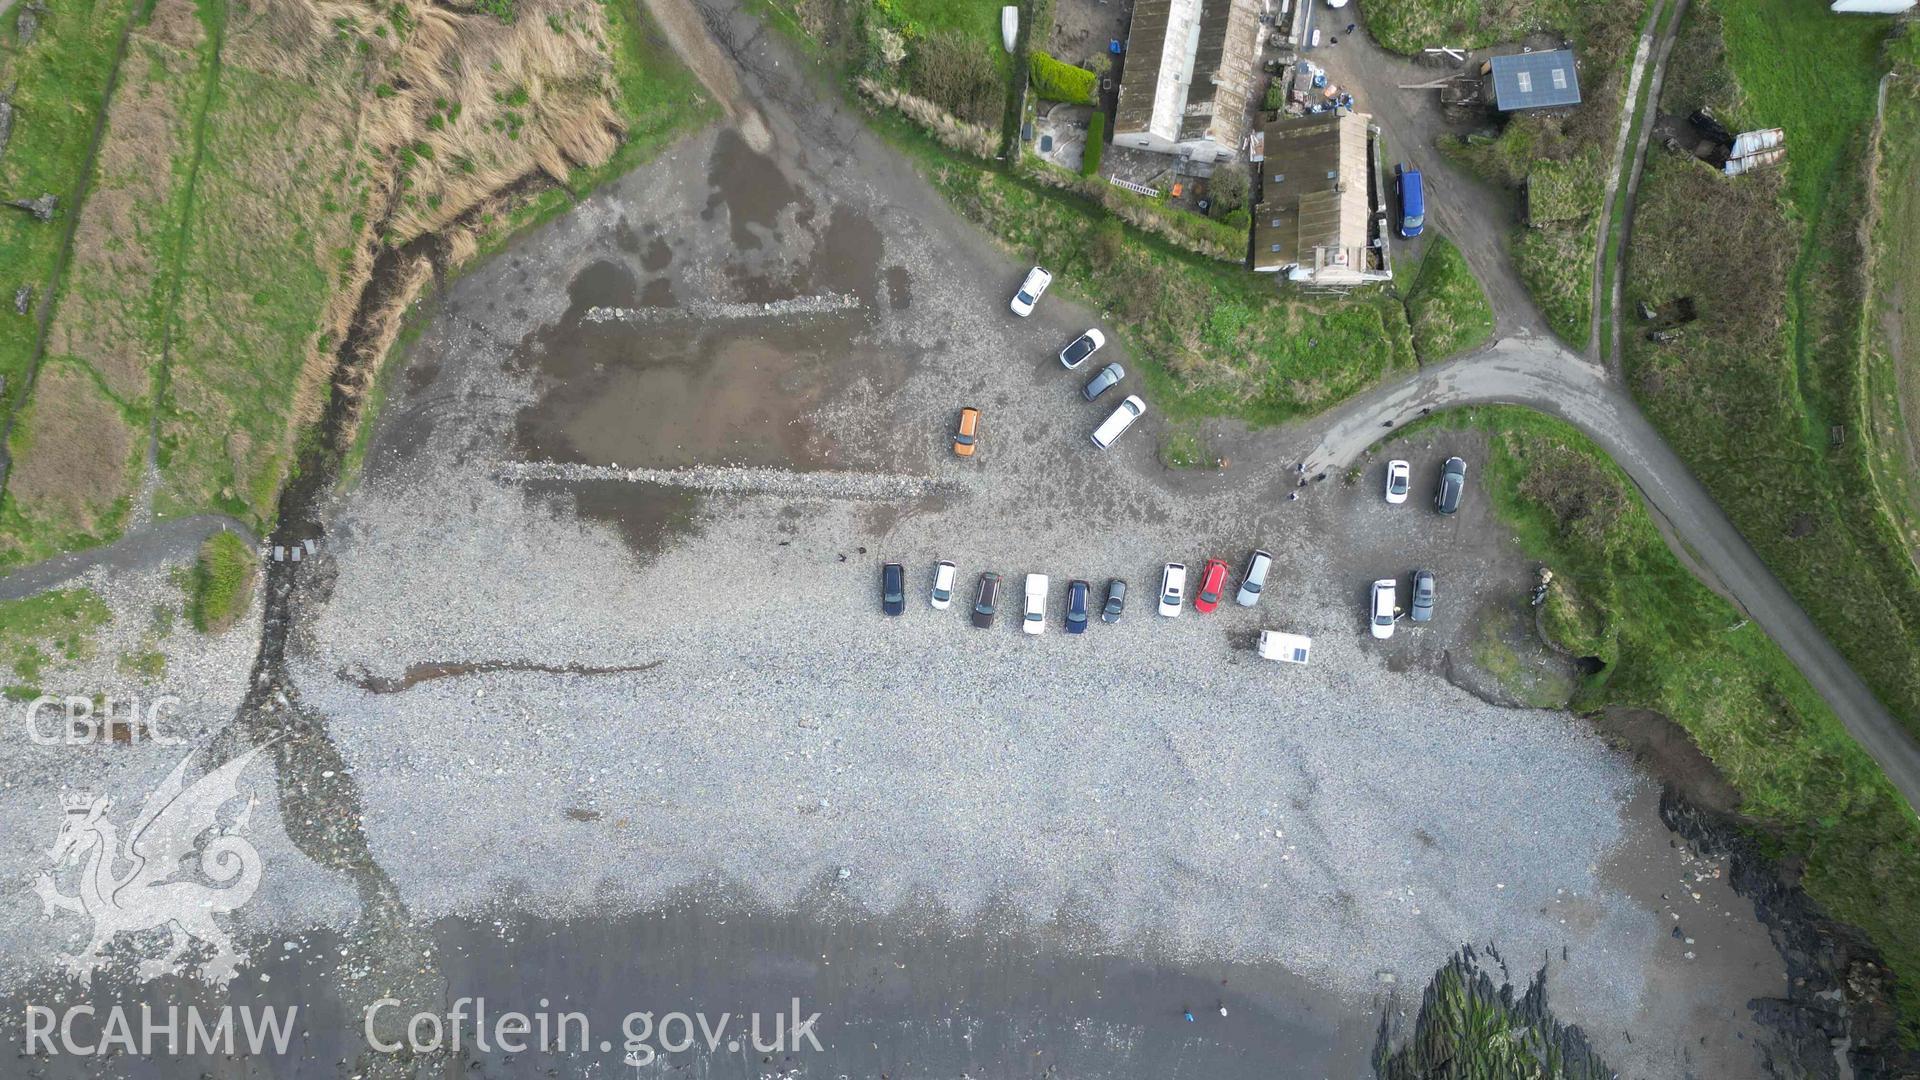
74, 454
106, 318
953, 132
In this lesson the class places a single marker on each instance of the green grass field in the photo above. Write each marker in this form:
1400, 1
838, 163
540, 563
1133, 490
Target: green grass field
1763, 395
107, 335
59, 83
1446, 307
1671, 645
1210, 338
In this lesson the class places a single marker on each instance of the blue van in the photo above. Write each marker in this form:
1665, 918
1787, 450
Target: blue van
1413, 200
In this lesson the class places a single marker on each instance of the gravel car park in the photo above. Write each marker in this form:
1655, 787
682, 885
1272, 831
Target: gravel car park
879, 765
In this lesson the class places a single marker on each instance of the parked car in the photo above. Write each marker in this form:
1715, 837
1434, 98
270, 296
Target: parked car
1122, 418
1116, 601
1082, 347
967, 432
1413, 200
1077, 593
1284, 647
1030, 292
1254, 579
1213, 582
1036, 616
1104, 381
943, 575
893, 588
1422, 609
1399, 481
984, 595
1453, 484
1385, 599
1173, 589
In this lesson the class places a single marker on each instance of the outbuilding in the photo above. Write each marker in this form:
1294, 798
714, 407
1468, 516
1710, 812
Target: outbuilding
1188, 77
1318, 215
1531, 80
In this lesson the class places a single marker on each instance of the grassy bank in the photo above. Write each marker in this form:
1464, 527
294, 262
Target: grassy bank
1762, 394
1891, 405
222, 584
1446, 307
1408, 26
251, 174
41, 629
1671, 645
1210, 338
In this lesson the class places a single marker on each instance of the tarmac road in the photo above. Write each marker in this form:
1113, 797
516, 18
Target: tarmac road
1528, 366
1540, 373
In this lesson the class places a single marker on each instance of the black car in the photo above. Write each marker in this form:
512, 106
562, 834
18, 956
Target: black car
1422, 596
1077, 593
1116, 600
893, 588
1453, 484
984, 595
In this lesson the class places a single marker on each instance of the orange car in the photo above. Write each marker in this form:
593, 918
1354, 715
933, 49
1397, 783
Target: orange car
963, 437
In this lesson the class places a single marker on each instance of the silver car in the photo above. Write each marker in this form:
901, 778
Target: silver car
1254, 579
1423, 595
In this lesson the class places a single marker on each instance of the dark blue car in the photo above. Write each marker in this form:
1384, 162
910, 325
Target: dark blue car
893, 588
1077, 593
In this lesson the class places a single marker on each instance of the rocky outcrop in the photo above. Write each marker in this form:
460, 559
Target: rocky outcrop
1840, 993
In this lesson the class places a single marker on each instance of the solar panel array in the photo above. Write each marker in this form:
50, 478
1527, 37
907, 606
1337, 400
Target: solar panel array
1538, 80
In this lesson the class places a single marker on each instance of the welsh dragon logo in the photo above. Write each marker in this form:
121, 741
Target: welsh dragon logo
154, 891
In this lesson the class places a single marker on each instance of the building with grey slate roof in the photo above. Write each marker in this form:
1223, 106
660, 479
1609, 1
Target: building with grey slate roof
1535, 80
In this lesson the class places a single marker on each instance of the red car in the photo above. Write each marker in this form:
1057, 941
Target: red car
1213, 580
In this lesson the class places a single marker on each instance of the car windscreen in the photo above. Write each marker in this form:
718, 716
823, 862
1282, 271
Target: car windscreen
1024, 297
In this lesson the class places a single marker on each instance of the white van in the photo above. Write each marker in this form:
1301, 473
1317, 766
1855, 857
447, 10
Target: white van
1122, 417
1284, 647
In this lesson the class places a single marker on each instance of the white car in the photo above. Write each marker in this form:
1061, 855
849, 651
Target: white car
1036, 618
1386, 601
1080, 348
1122, 418
943, 575
1173, 589
1399, 481
1031, 290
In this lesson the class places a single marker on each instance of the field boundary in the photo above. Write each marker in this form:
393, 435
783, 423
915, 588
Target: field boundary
50, 298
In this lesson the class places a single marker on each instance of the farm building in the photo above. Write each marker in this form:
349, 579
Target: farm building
1320, 216
1189, 74
1535, 80
1872, 7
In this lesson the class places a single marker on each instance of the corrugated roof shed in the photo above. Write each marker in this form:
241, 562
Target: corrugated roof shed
1190, 70
1223, 72
1538, 80
1313, 201
1146, 55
